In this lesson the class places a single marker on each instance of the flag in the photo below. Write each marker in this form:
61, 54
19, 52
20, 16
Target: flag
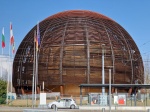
34, 35
3, 38
38, 34
36, 40
37, 37
36, 44
13, 48
11, 35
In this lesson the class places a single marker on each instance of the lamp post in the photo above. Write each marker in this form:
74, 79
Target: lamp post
109, 67
103, 71
109, 89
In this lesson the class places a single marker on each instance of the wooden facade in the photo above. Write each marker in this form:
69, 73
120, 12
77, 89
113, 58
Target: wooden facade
70, 53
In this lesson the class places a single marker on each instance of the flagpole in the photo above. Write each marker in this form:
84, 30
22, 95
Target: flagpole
36, 58
35, 52
38, 40
13, 51
3, 40
33, 71
10, 61
35, 75
2, 49
35, 82
11, 77
9, 50
9, 64
1, 70
37, 68
36, 72
7, 86
8, 67
10, 39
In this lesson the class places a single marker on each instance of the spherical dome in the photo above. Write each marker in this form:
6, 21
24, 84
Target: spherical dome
76, 47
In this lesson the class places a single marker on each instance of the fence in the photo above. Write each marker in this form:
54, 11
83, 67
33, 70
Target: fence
120, 99
90, 100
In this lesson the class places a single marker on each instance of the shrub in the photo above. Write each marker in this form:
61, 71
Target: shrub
3, 91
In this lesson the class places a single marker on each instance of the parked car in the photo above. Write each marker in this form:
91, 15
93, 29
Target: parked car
63, 103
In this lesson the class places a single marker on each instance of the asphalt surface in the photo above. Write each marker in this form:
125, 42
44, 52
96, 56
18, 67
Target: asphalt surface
29, 109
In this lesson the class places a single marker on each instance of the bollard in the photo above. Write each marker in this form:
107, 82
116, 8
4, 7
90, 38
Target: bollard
56, 108
103, 109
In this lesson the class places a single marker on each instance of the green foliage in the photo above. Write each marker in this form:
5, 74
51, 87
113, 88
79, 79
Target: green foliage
3, 91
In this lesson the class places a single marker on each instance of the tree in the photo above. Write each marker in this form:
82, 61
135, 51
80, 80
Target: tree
147, 70
3, 91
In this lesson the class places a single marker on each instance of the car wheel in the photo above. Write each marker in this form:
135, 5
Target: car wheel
72, 106
53, 106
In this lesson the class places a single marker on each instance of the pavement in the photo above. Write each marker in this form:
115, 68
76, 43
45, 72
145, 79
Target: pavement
81, 109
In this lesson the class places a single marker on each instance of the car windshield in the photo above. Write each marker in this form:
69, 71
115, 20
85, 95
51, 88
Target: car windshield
60, 100
65, 99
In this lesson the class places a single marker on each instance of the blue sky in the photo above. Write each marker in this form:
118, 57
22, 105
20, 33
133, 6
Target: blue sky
133, 15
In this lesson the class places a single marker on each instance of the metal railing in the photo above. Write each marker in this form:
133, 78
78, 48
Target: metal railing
141, 100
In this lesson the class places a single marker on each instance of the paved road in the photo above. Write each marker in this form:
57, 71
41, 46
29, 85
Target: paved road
25, 109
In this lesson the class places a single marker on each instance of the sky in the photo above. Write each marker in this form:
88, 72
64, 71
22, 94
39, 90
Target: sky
132, 15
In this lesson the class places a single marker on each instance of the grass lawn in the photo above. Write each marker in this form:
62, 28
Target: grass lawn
28, 102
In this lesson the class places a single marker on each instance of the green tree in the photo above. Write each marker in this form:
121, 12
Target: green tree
3, 91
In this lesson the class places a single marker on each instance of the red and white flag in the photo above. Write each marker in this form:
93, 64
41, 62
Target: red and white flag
11, 35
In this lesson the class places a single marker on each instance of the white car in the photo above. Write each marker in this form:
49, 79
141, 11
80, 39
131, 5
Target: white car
63, 103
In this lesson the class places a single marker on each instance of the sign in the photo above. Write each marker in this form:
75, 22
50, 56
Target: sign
94, 98
116, 100
42, 98
121, 99
97, 98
